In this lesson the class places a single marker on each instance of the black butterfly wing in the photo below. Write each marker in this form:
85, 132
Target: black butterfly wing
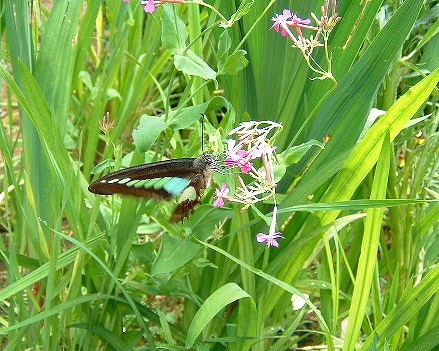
146, 180
184, 177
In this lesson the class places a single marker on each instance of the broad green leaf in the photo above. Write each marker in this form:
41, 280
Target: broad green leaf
101, 166
186, 116
243, 9
219, 103
295, 153
190, 63
234, 63
86, 79
213, 304
224, 43
112, 94
174, 253
147, 132
174, 31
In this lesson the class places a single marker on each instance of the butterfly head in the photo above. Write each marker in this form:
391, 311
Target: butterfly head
209, 163
214, 163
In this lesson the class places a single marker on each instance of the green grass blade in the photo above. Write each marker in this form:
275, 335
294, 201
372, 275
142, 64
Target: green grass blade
369, 249
407, 308
213, 304
55, 310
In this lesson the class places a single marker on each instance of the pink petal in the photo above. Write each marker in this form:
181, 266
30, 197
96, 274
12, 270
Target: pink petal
149, 6
230, 162
286, 13
261, 237
224, 189
270, 239
273, 242
298, 20
220, 194
219, 202
246, 167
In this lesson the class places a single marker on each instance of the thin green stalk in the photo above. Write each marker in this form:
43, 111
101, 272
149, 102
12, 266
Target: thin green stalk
245, 240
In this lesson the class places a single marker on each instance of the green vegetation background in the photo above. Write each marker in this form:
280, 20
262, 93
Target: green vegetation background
84, 272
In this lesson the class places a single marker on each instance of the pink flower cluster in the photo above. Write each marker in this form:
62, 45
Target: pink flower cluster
286, 20
252, 144
236, 156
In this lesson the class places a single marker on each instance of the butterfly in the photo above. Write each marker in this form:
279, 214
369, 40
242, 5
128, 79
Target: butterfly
184, 178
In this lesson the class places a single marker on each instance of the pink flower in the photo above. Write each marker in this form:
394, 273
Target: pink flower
235, 157
240, 160
297, 21
271, 237
149, 6
246, 167
238, 157
288, 19
220, 194
279, 19
232, 152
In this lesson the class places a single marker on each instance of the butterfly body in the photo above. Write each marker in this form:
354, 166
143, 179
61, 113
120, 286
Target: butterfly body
185, 178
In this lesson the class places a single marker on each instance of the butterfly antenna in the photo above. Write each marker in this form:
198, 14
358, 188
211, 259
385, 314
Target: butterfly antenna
202, 133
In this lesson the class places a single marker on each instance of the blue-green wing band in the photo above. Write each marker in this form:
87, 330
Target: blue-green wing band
176, 186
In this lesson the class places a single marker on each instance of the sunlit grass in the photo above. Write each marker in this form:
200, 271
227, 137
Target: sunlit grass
79, 271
